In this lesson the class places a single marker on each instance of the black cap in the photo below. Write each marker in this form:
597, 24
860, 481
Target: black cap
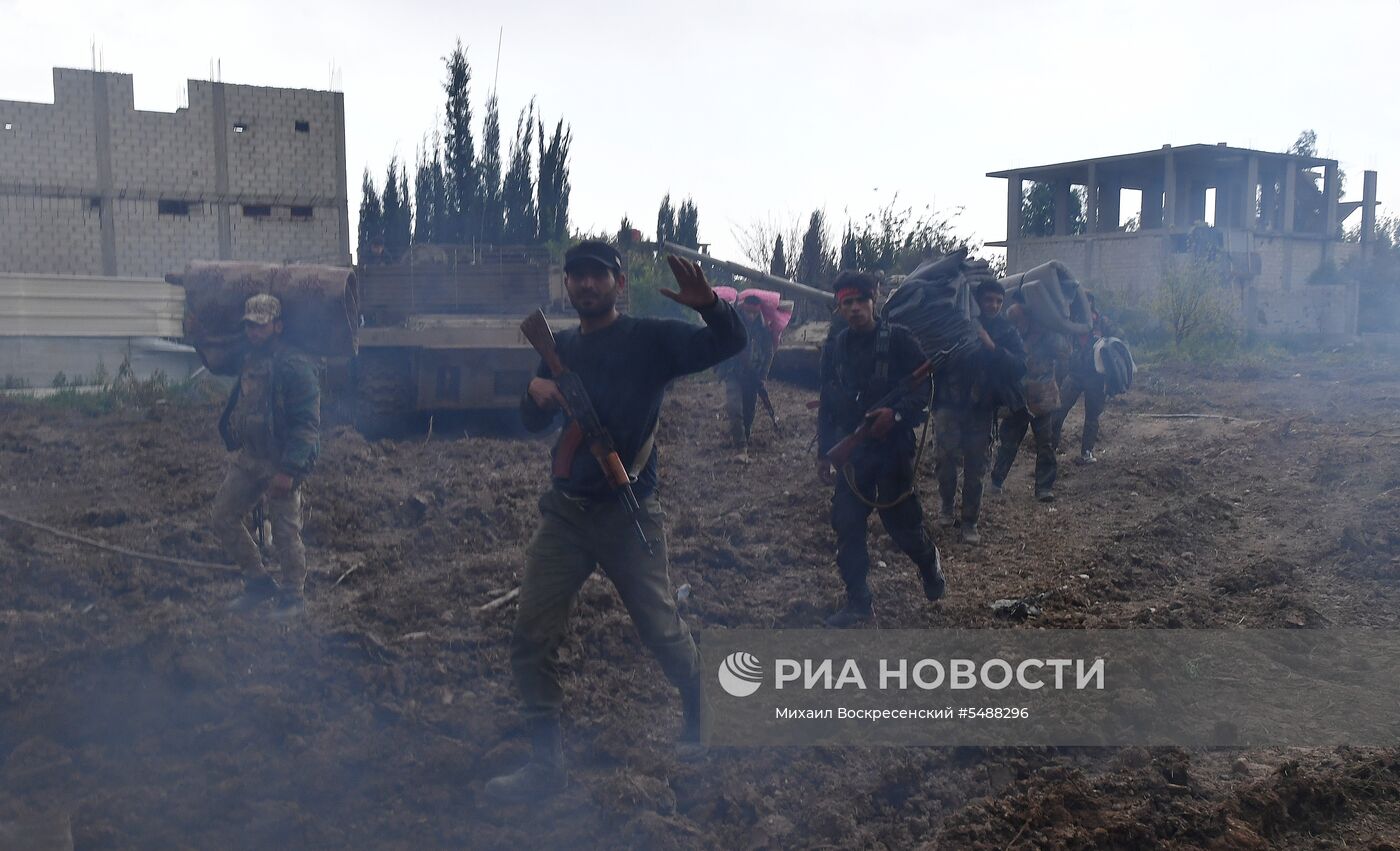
594, 251
752, 299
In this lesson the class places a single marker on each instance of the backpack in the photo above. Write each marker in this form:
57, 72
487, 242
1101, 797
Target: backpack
1114, 361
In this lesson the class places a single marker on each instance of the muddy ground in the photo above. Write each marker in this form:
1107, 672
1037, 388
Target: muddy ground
138, 712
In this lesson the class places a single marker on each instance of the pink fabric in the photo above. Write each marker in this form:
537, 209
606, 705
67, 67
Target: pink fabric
775, 316
729, 294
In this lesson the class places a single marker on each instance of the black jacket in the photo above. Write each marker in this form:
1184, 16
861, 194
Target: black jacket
850, 388
626, 368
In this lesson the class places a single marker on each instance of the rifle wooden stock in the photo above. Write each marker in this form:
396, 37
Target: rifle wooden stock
840, 454
537, 333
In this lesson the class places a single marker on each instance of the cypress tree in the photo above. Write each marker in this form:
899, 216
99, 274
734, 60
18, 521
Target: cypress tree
371, 218
463, 182
518, 189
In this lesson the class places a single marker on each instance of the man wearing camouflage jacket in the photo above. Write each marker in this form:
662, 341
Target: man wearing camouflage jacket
272, 424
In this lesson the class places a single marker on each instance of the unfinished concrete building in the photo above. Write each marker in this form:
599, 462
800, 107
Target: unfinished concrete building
90, 185
99, 200
1119, 221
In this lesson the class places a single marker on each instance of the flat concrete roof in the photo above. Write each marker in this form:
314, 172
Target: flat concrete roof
1143, 161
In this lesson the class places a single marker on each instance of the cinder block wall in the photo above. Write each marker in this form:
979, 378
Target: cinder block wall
246, 173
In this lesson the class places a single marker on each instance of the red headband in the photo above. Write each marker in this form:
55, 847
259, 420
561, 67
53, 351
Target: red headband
846, 292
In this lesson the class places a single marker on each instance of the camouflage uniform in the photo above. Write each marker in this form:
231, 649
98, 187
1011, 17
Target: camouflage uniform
272, 424
965, 399
743, 374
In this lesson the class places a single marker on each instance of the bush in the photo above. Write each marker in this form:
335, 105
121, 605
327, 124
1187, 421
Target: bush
1194, 303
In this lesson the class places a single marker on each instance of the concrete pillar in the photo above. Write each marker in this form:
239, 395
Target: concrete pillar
1249, 205
221, 129
1151, 216
1290, 193
1170, 203
342, 200
1091, 201
1195, 204
1013, 207
1061, 191
1330, 192
1268, 205
1224, 209
1368, 207
102, 124
1110, 206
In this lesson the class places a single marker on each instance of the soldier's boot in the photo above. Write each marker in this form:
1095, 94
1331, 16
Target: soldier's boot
1087, 457
935, 584
970, 535
1045, 494
947, 516
694, 741
855, 612
290, 604
543, 776
256, 592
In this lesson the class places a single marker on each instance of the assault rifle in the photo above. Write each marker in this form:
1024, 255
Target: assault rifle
840, 454
585, 425
767, 404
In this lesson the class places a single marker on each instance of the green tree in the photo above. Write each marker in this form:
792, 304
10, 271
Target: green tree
518, 190
688, 225
816, 263
397, 212
665, 221
492, 205
895, 239
463, 180
848, 249
428, 192
1038, 210
553, 186
778, 265
626, 236
371, 217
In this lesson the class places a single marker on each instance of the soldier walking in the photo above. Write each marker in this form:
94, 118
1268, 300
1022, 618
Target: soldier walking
625, 365
744, 375
272, 425
859, 366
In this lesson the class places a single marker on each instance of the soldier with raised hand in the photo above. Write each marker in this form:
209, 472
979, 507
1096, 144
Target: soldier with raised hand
625, 364
861, 364
272, 425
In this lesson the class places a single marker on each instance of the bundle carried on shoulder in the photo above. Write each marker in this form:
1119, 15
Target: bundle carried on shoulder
935, 303
320, 308
1053, 298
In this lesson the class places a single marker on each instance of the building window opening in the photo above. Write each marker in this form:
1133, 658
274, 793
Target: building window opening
1129, 210
240, 127
1208, 215
9, 125
302, 213
94, 203
173, 208
257, 211
303, 126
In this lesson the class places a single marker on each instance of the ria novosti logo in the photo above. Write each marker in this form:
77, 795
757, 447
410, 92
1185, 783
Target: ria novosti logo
740, 674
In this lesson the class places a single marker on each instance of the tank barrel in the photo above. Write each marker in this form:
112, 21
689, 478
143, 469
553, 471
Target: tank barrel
791, 288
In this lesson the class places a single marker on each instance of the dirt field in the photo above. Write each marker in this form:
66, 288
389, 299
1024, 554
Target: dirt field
133, 707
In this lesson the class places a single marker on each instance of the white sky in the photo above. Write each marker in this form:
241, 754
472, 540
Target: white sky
765, 110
